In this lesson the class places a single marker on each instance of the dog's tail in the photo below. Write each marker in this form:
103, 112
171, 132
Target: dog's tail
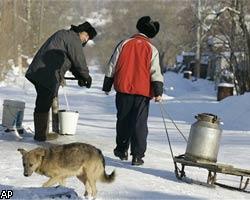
106, 178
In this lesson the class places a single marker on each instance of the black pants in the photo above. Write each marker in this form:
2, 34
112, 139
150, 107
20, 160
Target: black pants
44, 99
131, 126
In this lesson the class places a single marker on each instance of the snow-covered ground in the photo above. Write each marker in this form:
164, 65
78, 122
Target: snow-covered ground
155, 179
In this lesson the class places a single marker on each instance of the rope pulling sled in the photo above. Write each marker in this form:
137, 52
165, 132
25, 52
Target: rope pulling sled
212, 167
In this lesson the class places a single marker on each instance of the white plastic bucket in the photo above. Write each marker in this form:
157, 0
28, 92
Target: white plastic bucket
13, 112
67, 121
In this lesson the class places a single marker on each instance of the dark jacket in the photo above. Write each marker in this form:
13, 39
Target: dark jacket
61, 52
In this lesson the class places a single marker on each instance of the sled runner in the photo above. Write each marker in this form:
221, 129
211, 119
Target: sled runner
213, 170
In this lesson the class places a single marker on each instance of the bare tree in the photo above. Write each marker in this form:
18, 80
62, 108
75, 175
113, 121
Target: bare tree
231, 23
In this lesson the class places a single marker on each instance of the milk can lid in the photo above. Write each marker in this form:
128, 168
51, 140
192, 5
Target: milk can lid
209, 117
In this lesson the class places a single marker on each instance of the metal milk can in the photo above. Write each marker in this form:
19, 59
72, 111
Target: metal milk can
204, 138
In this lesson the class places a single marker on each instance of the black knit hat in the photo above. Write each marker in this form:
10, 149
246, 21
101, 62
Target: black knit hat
148, 27
86, 26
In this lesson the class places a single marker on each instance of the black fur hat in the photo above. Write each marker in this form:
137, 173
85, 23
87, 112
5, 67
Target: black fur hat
87, 27
148, 27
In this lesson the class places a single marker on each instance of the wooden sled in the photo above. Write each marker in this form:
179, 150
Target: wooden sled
213, 170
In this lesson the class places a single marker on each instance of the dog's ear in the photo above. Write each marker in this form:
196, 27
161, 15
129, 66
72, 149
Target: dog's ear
22, 151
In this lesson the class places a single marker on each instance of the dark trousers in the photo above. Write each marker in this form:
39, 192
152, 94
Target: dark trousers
44, 99
131, 126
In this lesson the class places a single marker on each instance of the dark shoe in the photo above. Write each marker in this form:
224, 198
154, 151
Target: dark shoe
137, 161
121, 155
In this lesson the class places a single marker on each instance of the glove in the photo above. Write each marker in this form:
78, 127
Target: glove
158, 99
85, 82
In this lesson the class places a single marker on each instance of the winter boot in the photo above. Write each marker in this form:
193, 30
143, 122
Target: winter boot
41, 122
51, 135
55, 123
55, 119
41, 126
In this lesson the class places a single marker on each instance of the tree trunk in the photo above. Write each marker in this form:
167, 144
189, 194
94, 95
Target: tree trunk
198, 43
41, 22
28, 45
15, 53
247, 37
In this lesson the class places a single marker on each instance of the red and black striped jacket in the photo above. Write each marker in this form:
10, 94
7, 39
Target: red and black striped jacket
134, 68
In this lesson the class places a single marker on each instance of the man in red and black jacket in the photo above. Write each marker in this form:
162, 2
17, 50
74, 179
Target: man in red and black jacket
136, 74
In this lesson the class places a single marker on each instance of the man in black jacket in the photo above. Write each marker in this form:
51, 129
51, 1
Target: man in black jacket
60, 53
